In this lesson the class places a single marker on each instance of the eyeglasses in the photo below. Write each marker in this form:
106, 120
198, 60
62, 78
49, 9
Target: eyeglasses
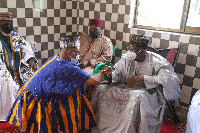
76, 52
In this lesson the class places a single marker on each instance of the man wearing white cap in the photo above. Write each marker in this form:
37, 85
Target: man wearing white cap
54, 98
14, 51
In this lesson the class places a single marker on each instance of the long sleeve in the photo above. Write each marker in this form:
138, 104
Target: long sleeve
107, 51
124, 69
116, 75
168, 79
163, 75
26, 48
95, 51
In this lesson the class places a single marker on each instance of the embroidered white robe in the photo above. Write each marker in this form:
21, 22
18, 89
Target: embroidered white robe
140, 108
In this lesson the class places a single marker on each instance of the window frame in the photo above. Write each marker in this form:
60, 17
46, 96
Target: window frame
183, 27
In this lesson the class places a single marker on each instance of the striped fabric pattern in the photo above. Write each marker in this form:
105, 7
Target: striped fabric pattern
6, 16
12, 60
35, 112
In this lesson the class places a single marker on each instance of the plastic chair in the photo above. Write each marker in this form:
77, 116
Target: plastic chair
100, 65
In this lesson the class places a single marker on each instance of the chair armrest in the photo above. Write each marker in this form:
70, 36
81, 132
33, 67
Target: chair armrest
114, 48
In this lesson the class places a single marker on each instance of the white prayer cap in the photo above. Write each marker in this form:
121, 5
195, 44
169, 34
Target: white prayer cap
70, 41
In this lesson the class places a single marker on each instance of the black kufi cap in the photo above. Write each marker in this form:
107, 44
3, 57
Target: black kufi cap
140, 41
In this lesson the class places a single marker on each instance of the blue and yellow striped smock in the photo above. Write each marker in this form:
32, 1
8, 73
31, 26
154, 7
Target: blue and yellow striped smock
53, 100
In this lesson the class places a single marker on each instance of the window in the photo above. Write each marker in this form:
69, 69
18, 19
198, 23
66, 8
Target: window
169, 15
38, 5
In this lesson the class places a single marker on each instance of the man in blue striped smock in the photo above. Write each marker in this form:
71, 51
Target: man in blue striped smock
54, 99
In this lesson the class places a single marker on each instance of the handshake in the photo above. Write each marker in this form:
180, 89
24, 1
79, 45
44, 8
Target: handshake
107, 70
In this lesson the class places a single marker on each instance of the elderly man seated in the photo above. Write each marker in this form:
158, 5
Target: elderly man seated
135, 101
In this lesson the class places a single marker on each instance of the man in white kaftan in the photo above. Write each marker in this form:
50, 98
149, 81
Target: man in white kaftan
14, 51
193, 115
8, 91
134, 102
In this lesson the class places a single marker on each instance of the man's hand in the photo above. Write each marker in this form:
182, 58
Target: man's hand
107, 70
84, 64
135, 79
32, 65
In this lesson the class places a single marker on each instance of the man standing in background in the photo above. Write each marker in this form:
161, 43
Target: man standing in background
15, 54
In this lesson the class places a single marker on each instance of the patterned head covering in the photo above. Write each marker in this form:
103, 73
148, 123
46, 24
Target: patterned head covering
6, 16
70, 41
96, 22
139, 41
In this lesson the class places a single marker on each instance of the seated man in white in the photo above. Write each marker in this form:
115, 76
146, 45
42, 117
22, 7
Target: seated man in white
193, 116
134, 102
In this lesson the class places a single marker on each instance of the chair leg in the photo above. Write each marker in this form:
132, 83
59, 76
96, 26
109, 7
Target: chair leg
171, 107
